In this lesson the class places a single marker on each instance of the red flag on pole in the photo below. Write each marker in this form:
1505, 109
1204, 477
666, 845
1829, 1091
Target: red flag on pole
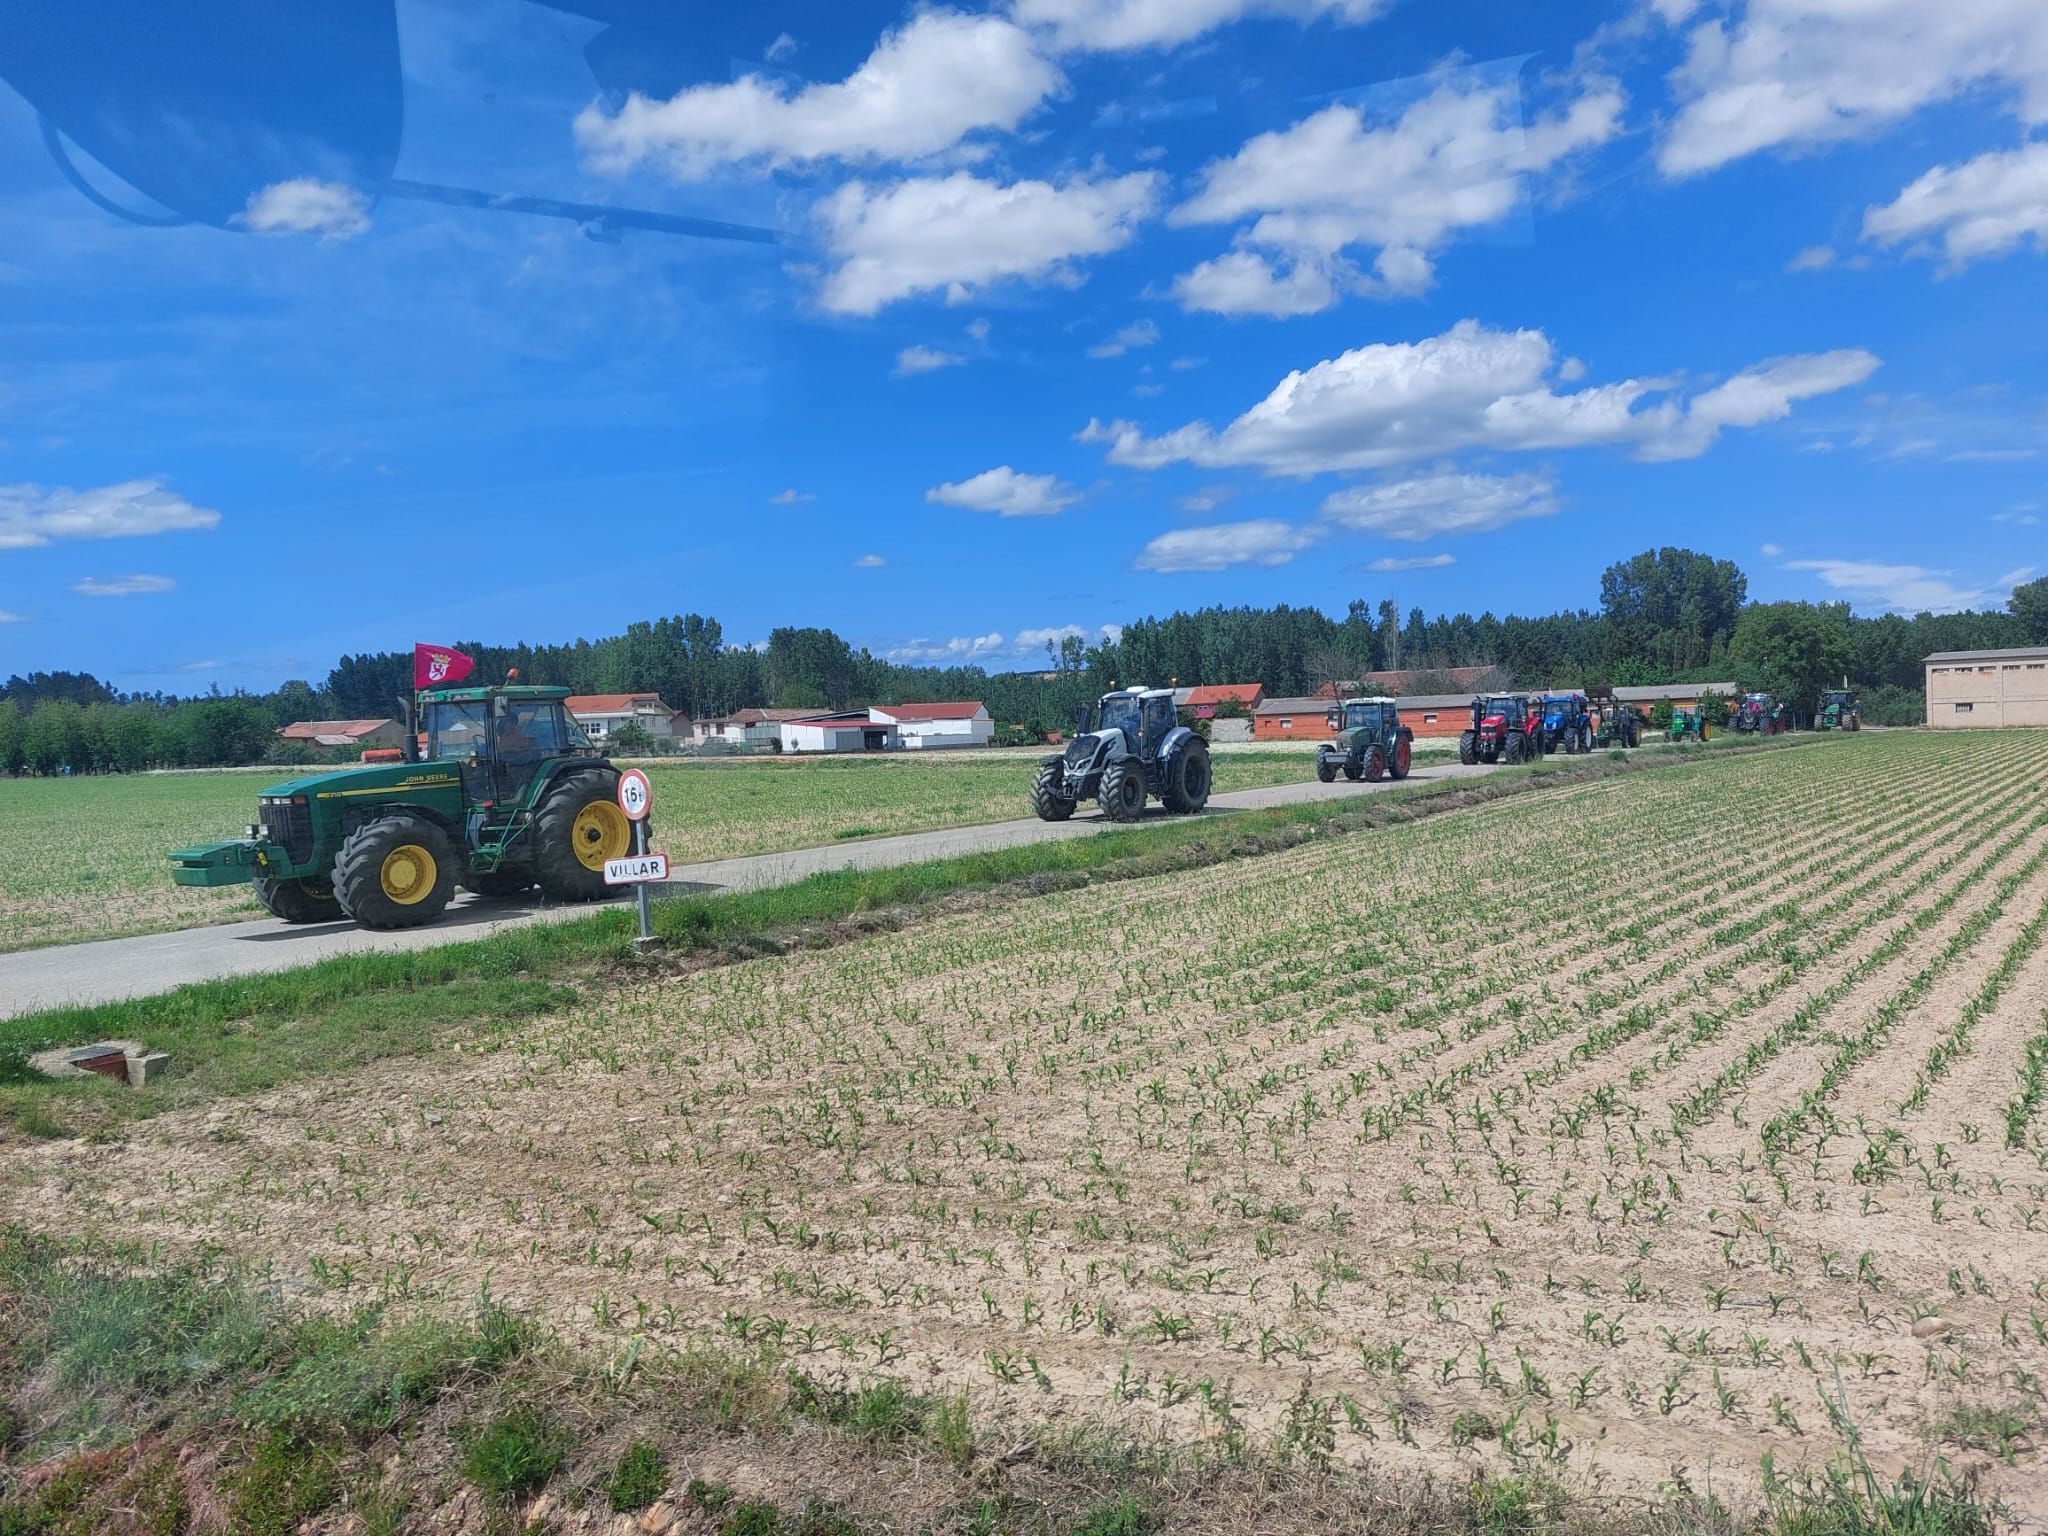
436, 666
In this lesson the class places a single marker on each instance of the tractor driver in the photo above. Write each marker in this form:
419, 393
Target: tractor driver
516, 743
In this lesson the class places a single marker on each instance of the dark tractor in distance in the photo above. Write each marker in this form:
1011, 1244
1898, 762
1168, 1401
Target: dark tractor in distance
1759, 715
1838, 711
511, 794
1567, 724
1127, 745
1505, 728
1615, 724
1372, 743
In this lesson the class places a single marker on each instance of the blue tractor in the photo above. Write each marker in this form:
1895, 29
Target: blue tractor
1126, 746
1567, 724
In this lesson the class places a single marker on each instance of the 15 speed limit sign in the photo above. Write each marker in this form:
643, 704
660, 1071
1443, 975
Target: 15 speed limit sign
636, 795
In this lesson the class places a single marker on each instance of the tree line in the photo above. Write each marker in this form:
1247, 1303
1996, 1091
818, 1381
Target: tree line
1666, 616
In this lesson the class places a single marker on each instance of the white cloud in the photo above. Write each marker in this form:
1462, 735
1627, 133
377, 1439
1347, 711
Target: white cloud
1117, 25
304, 206
11, 618
957, 234
1458, 158
1798, 73
1141, 334
1207, 499
784, 47
956, 652
913, 360
1390, 564
1770, 551
31, 516
1984, 207
2024, 515
1447, 503
869, 563
1006, 493
1393, 403
1038, 639
1908, 588
978, 330
1815, 258
1187, 364
122, 586
790, 498
1261, 541
925, 87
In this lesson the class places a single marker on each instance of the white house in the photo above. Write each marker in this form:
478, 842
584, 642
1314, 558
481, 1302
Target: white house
750, 727
850, 732
964, 724
600, 714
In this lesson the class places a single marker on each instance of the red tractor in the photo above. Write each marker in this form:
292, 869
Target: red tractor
1506, 728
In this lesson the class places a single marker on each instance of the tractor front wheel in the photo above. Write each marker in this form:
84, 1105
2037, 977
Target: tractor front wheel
297, 901
1517, 749
578, 827
1187, 780
1123, 790
1046, 798
1326, 768
1374, 768
1468, 748
396, 872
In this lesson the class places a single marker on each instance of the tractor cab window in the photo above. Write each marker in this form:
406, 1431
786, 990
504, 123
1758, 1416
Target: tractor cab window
456, 730
531, 730
1362, 717
1120, 714
1504, 706
1158, 717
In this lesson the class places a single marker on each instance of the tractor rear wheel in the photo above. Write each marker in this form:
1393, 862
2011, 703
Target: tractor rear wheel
578, 827
500, 883
1187, 780
396, 872
297, 901
1517, 748
1374, 768
1404, 759
1046, 798
1468, 748
1123, 790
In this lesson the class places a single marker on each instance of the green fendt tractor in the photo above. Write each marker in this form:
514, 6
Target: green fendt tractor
1838, 712
1372, 743
511, 794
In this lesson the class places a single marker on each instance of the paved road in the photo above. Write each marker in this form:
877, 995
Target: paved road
115, 969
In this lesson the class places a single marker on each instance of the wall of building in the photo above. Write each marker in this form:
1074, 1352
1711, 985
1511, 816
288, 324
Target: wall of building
935, 734
1983, 695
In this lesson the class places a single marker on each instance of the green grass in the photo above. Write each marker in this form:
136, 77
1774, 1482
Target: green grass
86, 856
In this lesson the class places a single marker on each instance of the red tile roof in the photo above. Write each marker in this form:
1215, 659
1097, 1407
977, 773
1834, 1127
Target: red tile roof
959, 710
610, 703
308, 730
1248, 694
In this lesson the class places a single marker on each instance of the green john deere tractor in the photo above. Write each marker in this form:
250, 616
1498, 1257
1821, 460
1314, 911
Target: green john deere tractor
511, 794
1838, 711
1372, 743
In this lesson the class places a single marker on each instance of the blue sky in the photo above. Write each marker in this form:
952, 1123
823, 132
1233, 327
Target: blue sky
1082, 309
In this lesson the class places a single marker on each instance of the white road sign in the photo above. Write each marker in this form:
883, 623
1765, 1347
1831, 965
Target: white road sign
636, 795
636, 869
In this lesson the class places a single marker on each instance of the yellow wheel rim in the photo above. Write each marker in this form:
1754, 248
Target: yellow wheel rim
408, 875
600, 832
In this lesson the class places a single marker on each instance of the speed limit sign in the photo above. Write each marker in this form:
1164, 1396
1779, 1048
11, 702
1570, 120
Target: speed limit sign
636, 796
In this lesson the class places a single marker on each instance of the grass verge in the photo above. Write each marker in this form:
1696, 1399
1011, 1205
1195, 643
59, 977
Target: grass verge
138, 1397
246, 1034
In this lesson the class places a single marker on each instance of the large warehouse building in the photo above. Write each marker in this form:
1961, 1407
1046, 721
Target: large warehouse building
1984, 689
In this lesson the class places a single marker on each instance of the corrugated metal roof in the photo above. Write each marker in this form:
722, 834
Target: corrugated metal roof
2021, 653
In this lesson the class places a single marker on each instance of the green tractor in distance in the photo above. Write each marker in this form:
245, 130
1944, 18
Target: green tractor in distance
1838, 711
511, 794
1687, 725
1372, 743
1615, 724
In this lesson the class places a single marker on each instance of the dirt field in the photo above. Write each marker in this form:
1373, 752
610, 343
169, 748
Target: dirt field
1642, 1130
87, 854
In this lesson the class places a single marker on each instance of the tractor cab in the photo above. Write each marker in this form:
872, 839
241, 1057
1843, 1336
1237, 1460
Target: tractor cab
1759, 714
499, 737
1838, 711
1373, 717
1503, 730
1142, 716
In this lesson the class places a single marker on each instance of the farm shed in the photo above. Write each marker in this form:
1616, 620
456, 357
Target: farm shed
849, 732
600, 714
751, 727
1981, 690
1294, 719
1203, 702
924, 726
346, 733
1436, 714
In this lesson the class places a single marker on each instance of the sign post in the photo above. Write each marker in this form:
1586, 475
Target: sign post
636, 799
